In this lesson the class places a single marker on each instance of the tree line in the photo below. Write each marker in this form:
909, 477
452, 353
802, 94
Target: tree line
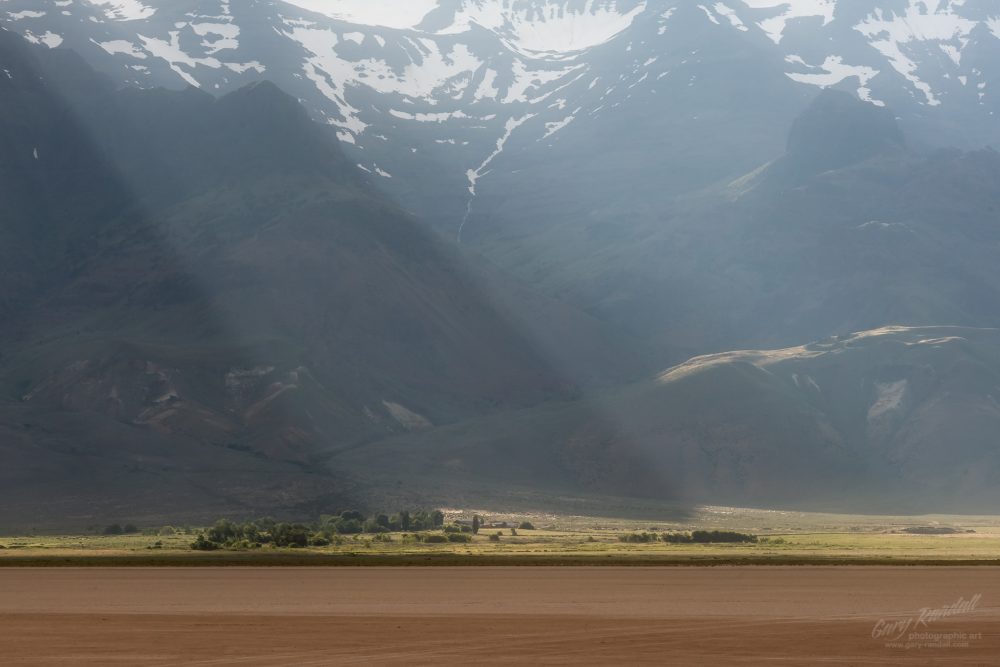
328, 529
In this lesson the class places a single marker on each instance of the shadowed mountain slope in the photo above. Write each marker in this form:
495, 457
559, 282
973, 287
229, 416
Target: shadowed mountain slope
891, 420
849, 230
237, 289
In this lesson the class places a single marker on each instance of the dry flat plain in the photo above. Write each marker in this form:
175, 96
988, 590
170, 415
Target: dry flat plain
500, 615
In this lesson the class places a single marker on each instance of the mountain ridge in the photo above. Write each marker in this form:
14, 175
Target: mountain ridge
446, 79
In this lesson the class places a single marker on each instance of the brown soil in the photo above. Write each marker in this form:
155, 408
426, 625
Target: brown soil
606, 615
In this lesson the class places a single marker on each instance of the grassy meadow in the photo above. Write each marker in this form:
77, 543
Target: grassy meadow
782, 538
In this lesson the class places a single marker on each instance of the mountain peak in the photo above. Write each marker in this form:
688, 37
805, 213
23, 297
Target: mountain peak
838, 129
263, 88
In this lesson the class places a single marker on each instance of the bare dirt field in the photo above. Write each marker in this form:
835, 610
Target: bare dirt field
513, 615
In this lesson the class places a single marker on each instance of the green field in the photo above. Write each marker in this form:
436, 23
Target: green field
783, 538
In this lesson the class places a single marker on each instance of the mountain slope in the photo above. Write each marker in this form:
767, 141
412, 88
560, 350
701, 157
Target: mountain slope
249, 293
850, 229
892, 420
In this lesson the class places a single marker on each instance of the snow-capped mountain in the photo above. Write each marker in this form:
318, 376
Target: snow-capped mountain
454, 104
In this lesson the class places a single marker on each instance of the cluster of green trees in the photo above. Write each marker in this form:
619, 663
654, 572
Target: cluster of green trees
251, 534
435, 538
329, 529
694, 537
640, 537
353, 521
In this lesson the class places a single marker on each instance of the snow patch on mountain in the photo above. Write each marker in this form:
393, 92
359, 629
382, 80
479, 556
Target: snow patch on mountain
398, 14
473, 175
240, 68
225, 35
173, 54
994, 25
48, 38
551, 27
430, 69
124, 10
529, 82
833, 71
922, 21
179, 60
427, 117
26, 14
774, 26
730, 15
555, 126
122, 46
487, 89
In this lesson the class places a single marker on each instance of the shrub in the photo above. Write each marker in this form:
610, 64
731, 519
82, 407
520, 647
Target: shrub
290, 535
723, 536
526, 525
458, 537
202, 544
421, 521
168, 530
677, 538
931, 530
113, 529
495, 537
373, 526
345, 526
223, 531
437, 539
709, 537
319, 540
243, 545
638, 537
452, 529
129, 529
